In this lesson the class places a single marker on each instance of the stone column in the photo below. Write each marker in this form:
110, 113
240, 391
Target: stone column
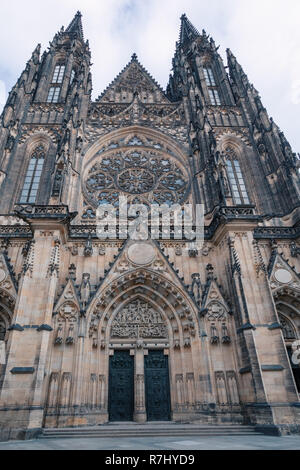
23, 397
140, 415
276, 402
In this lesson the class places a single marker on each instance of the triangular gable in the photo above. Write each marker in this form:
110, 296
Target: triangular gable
132, 256
134, 79
68, 294
212, 294
281, 273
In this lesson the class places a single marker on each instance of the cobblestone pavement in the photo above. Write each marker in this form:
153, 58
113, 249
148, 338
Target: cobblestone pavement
160, 443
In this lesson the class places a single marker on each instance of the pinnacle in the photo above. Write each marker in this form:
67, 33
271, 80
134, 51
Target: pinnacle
187, 31
75, 26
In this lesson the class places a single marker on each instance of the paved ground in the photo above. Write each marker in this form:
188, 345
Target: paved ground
161, 443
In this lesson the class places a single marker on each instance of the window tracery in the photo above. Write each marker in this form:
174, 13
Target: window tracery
155, 177
235, 176
33, 176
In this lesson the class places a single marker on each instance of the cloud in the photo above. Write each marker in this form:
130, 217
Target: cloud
3, 96
263, 34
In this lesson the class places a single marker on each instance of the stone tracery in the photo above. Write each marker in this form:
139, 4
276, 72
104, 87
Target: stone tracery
147, 172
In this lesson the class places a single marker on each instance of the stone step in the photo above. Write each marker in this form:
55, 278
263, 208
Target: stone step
148, 430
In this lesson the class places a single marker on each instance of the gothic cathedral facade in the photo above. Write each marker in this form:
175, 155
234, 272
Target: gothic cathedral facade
95, 330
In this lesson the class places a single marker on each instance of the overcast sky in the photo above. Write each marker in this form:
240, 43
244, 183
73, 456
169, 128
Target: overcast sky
263, 34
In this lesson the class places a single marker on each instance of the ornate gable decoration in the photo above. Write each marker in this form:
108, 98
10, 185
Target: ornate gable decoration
281, 274
216, 312
68, 299
214, 305
134, 79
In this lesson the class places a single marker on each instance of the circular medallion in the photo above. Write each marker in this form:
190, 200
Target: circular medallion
2, 275
136, 181
283, 276
141, 253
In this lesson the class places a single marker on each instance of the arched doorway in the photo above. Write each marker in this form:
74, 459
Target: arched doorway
288, 307
139, 384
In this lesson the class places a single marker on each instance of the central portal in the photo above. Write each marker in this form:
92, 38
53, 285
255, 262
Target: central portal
121, 386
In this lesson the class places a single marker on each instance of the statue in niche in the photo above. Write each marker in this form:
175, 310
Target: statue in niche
196, 286
85, 289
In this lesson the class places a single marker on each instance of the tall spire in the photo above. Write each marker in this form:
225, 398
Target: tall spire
75, 27
187, 31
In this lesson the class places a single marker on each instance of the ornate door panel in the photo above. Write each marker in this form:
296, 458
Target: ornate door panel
121, 386
157, 386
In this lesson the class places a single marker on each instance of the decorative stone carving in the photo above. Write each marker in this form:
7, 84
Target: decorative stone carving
216, 312
196, 286
85, 289
88, 247
141, 253
138, 320
214, 338
288, 329
136, 172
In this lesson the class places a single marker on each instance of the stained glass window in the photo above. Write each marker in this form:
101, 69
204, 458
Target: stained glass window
33, 176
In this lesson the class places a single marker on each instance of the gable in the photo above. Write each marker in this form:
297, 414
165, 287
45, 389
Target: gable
281, 274
134, 80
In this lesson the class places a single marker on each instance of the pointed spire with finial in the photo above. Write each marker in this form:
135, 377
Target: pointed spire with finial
75, 27
187, 31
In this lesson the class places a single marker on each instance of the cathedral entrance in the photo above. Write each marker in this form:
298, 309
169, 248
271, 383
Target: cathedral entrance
121, 386
157, 386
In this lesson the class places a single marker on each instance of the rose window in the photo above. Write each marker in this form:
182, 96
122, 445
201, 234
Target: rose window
136, 181
141, 175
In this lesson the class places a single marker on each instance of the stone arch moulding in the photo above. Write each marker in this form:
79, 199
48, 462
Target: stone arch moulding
178, 311
234, 139
176, 149
139, 163
289, 325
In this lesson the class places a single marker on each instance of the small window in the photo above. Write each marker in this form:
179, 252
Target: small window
214, 97
53, 94
58, 75
33, 176
209, 77
72, 76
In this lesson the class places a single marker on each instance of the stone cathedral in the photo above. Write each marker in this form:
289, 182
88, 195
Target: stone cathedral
94, 331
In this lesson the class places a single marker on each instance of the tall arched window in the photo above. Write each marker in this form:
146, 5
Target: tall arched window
212, 86
236, 180
56, 82
33, 176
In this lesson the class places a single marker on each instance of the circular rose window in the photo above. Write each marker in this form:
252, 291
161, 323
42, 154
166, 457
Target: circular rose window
136, 181
144, 175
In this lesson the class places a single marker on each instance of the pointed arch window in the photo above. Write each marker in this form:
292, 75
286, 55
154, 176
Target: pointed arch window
236, 180
53, 94
57, 79
59, 73
33, 176
212, 86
